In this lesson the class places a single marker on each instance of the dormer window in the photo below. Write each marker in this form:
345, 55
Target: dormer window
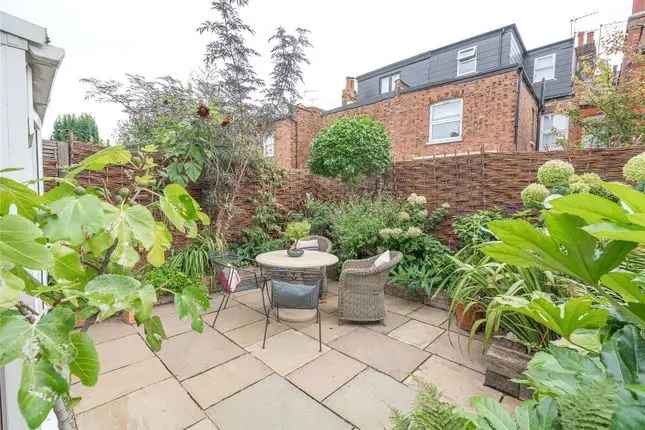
467, 61
544, 68
387, 83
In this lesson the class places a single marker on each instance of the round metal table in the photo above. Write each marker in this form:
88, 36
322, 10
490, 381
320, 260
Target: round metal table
308, 260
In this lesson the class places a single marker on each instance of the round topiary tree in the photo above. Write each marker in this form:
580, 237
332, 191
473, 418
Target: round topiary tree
350, 149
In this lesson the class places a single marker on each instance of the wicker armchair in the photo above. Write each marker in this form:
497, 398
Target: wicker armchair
324, 245
361, 295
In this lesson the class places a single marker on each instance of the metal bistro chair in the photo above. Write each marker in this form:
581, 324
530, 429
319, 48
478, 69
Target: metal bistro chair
295, 290
225, 265
324, 245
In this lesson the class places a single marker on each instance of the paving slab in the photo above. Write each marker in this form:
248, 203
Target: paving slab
287, 351
161, 406
120, 382
401, 306
225, 380
456, 347
273, 403
367, 400
416, 333
111, 329
331, 329
251, 334
455, 382
253, 300
235, 317
191, 353
204, 424
384, 353
392, 321
332, 287
171, 323
430, 315
122, 352
324, 375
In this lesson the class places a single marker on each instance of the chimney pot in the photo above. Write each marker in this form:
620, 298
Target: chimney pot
638, 6
581, 38
590, 38
349, 93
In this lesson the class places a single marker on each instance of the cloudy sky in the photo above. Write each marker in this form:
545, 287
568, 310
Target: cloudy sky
105, 39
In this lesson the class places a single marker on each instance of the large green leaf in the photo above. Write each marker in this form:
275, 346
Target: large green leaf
67, 264
24, 198
11, 287
19, 246
75, 219
182, 210
53, 334
531, 415
593, 209
14, 332
625, 285
566, 249
40, 386
575, 314
154, 331
192, 302
624, 356
112, 293
116, 155
491, 415
162, 242
629, 196
85, 364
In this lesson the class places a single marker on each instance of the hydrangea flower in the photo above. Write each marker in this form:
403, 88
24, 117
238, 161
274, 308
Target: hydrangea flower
445, 205
579, 187
534, 194
404, 216
415, 199
385, 233
396, 232
423, 213
634, 169
555, 173
413, 232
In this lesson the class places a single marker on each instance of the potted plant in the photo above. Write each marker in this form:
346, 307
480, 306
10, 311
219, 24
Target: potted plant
294, 232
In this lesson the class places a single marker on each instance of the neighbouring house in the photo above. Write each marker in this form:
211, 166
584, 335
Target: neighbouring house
488, 92
28, 64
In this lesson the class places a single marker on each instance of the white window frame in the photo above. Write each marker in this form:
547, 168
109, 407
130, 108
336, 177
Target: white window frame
553, 131
268, 145
463, 56
459, 138
552, 74
390, 82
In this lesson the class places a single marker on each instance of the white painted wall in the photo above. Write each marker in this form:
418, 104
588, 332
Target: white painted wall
20, 147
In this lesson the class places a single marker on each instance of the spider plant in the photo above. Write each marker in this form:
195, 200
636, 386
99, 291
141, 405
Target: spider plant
193, 260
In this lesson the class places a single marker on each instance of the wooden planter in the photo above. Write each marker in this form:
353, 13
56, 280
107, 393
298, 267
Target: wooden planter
466, 319
506, 360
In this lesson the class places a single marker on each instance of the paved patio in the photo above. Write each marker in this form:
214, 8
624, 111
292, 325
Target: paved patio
223, 379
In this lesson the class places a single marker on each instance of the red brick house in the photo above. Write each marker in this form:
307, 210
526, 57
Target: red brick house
487, 92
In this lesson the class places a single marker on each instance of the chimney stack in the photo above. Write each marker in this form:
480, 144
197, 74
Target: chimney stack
590, 38
349, 93
581, 39
638, 6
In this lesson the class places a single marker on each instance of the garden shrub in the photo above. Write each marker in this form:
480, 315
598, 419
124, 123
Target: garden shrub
471, 229
255, 241
355, 231
351, 149
83, 127
321, 215
168, 277
634, 171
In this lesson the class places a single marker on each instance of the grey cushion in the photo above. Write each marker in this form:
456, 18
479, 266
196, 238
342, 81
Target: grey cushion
295, 295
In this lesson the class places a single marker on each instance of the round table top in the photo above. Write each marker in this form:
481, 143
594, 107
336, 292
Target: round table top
308, 260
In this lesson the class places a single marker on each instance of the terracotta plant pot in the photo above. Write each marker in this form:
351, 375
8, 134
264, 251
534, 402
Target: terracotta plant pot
466, 320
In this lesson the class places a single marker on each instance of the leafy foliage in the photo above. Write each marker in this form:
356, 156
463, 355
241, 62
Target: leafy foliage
297, 230
82, 126
90, 247
193, 260
471, 229
168, 278
350, 149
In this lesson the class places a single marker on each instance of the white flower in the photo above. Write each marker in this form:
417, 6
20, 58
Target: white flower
445, 205
423, 213
396, 232
412, 198
414, 232
385, 233
404, 216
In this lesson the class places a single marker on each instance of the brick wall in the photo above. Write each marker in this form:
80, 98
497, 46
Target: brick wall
488, 119
527, 119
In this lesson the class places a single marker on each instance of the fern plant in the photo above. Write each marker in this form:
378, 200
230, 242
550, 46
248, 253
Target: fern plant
430, 413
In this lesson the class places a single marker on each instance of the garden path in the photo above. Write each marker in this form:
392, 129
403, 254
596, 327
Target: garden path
223, 379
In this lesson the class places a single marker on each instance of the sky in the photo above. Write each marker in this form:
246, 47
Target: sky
106, 39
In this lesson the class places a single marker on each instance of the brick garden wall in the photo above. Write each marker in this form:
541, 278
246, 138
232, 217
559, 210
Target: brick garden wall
470, 182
